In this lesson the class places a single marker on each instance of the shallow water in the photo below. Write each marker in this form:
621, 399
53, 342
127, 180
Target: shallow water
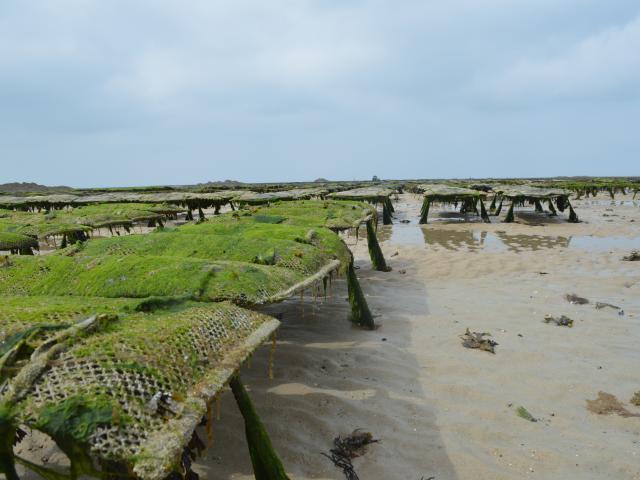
612, 203
500, 241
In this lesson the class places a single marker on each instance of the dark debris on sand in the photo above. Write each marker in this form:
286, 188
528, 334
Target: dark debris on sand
575, 299
607, 404
601, 305
477, 340
347, 448
634, 256
562, 321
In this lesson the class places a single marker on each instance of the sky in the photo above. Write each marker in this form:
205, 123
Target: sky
122, 92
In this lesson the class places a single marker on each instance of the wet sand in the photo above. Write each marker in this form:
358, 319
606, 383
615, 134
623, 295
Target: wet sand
441, 410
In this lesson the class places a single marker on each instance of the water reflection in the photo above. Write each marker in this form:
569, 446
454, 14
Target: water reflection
609, 203
502, 241
453, 239
519, 243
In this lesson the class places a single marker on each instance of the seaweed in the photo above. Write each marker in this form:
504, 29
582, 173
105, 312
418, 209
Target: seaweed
477, 340
347, 448
608, 404
375, 252
562, 321
100, 417
265, 461
360, 313
524, 413
575, 299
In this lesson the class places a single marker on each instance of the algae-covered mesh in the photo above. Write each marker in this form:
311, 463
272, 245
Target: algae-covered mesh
336, 215
255, 198
112, 395
373, 195
247, 264
21, 231
17, 243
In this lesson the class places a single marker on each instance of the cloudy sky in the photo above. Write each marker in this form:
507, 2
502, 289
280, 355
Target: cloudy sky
124, 92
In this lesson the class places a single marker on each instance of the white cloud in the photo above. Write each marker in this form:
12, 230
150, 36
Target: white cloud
347, 84
606, 63
217, 49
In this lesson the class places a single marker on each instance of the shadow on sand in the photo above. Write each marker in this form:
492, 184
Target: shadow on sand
331, 378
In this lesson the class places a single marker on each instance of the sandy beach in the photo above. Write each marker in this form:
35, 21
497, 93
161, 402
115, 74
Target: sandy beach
440, 410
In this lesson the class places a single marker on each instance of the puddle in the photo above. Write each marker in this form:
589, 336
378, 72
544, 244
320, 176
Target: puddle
588, 242
608, 203
500, 241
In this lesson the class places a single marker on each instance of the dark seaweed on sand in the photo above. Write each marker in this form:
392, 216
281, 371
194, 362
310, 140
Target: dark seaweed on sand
347, 448
477, 340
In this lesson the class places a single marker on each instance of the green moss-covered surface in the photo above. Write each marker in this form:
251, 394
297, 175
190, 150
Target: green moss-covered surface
301, 248
258, 198
336, 215
74, 224
372, 194
245, 263
115, 346
21, 313
110, 394
17, 243
593, 186
146, 276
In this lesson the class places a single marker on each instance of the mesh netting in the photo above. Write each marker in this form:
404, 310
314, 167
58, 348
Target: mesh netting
245, 263
296, 248
80, 220
113, 393
333, 214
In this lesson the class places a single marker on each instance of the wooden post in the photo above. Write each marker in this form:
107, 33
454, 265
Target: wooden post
538, 205
510, 217
386, 212
7, 439
360, 313
573, 217
424, 213
265, 461
375, 252
483, 213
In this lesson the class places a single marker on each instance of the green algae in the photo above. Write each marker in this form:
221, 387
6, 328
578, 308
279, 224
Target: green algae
146, 280
265, 461
375, 252
251, 243
360, 313
17, 242
122, 368
333, 214
76, 418
8, 429
74, 224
